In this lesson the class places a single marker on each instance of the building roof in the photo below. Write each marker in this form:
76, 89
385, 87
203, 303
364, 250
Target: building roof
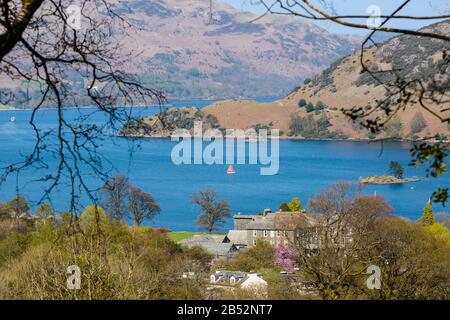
229, 274
313, 219
214, 248
245, 216
238, 236
280, 220
261, 224
224, 277
219, 238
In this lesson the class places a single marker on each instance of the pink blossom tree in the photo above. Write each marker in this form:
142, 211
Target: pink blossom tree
285, 257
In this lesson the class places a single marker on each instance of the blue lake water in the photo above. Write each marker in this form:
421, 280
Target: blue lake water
306, 167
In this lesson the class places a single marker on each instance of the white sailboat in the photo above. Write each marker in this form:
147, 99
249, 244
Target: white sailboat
13, 119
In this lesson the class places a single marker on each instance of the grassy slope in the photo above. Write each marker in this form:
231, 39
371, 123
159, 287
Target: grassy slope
181, 235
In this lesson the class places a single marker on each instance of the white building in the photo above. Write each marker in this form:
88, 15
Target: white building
237, 279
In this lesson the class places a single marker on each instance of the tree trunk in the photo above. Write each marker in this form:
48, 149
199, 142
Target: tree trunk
16, 28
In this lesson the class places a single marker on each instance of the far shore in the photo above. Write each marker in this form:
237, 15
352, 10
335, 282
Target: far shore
284, 137
156, 136
170, 104
70, 108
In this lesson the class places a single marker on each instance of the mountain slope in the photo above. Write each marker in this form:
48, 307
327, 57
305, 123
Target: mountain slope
343, 85
192, 54
314, 110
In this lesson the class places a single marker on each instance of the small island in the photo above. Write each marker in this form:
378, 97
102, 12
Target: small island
396, 178
387, 180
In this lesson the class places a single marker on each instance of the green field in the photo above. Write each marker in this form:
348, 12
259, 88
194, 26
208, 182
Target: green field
181, 235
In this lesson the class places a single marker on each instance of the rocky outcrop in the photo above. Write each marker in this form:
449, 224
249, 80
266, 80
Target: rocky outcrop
387, 180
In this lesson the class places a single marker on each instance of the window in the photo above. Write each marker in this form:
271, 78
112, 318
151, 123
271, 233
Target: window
254, 242
255, 233
265, 233
278, 233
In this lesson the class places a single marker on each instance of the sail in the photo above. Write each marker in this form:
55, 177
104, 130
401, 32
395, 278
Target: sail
231, 170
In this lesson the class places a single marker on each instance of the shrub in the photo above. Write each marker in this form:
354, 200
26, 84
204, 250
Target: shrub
441, 137
320, 106
92, 217
302, 103
309, 127
18, 207
259, 256
212, 121
13, 246
309, 107
260, 126
296, 125
439, 231
394, 129
119, 262
418, 123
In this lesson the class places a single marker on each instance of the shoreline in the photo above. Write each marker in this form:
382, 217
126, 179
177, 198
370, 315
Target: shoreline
171, 104
284, 137
287, 138
72, 108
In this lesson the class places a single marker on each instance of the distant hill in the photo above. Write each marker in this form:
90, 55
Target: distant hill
314, 110
192, 54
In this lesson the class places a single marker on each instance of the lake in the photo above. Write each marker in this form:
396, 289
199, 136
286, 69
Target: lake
306, 167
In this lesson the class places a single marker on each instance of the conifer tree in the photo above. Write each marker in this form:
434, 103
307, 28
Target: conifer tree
427, 216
